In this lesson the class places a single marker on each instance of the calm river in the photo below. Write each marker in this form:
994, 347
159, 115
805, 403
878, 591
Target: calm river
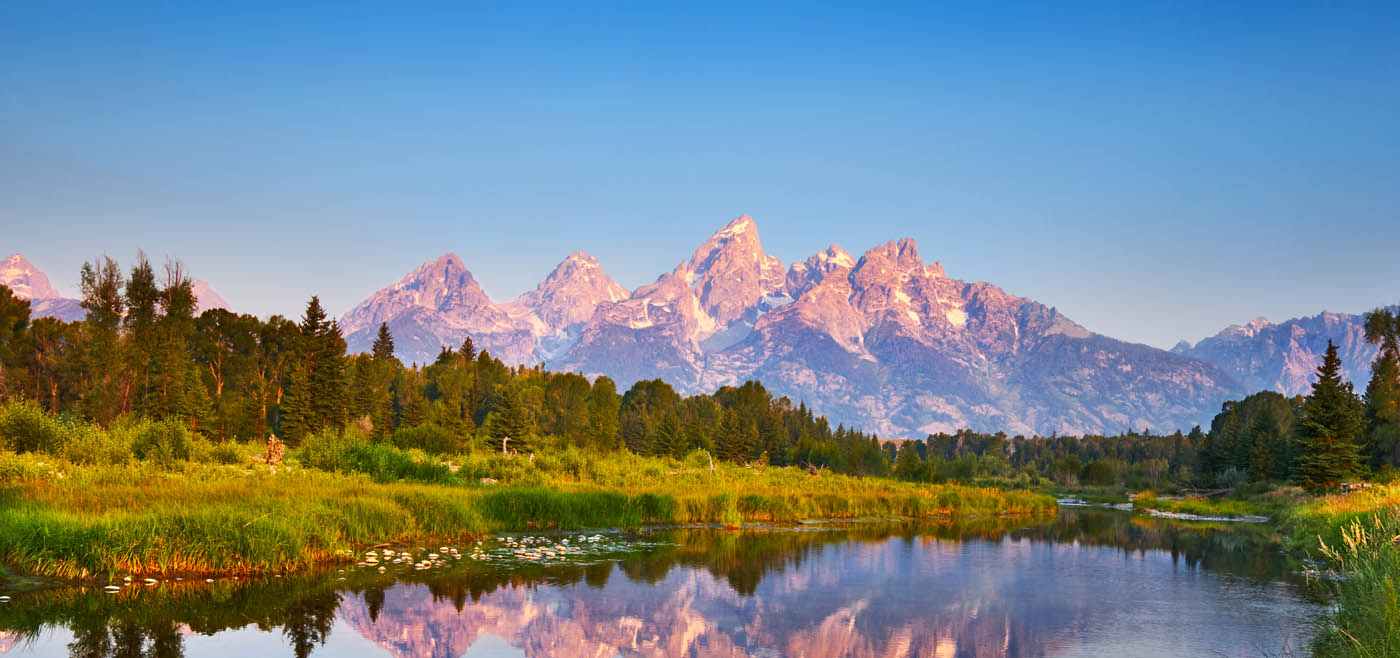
1084, 583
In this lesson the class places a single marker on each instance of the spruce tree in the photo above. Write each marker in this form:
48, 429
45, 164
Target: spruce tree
669, 441
383, 348
511, 419
1329, 424
316, 397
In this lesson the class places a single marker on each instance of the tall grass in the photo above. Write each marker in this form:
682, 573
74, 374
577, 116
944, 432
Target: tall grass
1357, 534
1367, 563
140, 497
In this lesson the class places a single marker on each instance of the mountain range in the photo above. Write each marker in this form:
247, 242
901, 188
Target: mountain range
1284, 357
884, 341
28, 282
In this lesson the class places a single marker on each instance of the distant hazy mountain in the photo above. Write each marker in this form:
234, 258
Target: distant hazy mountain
1284, 357
28, 282
885, 341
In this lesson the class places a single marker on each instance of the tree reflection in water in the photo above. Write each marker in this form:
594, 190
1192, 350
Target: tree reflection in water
851, 589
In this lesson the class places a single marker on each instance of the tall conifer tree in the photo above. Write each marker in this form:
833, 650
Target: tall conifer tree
1328, 426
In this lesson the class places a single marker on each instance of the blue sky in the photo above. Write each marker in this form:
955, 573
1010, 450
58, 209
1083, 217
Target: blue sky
1154, 170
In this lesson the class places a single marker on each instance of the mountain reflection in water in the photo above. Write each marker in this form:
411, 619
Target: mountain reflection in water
1087, 583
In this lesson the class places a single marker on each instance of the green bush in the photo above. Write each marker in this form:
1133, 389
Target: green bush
1097, 473
327, 450
163, 442
25, 427
428, 437
89, 444
385, 463
209, 452
18, 468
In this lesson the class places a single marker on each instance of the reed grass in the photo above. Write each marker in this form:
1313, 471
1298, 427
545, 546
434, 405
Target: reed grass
1358, 535
71, 520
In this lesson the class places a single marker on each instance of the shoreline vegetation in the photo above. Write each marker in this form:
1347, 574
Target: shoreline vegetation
195, 508
146, 498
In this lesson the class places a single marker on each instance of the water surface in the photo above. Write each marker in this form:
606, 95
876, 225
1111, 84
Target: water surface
1085, 583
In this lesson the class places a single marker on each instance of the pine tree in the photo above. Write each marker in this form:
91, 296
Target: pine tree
1329, 424
316, 397
383, 348
468, 349
729, 443
511, 419
669, 441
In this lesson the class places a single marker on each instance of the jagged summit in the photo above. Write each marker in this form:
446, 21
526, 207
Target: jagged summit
206, 298
25, 280
884, 341
1284, 357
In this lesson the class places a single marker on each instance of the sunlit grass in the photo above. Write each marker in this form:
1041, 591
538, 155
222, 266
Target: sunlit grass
62, 519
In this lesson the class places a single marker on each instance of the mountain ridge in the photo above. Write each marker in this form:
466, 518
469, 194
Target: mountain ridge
884, 341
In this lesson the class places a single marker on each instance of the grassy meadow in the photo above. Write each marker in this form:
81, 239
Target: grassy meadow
149, 498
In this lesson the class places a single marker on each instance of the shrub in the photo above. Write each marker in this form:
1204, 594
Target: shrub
428, 437
17, 468
1231, 477
163, 442
25, 427
203, 450
385, 463
326, 450
90, 444
1097, 473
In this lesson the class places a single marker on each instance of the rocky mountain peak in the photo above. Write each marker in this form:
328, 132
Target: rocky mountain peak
25, 280
803, 276
730, 272
569, 294
442, 285
206, 298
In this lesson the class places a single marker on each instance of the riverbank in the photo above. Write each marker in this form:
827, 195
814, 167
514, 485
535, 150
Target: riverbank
66, 520
1357, 538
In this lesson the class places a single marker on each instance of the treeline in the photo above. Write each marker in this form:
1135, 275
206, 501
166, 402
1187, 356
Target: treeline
1330, 436
143, 352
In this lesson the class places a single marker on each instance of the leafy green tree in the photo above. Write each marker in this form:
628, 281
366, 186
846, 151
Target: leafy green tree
14, 321
102, 388
142, 302
908, 465
603, 406
1382, 416
1329, 424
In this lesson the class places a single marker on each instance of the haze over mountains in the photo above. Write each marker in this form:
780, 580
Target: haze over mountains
884, 341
